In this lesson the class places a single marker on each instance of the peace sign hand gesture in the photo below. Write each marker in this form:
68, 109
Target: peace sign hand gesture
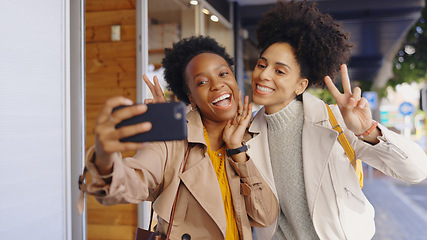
156, 91
354, 108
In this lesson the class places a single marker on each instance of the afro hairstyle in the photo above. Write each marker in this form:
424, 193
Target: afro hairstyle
319, 43
181, 53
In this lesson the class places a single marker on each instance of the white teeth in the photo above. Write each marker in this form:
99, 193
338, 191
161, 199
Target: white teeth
222, 97
264, 89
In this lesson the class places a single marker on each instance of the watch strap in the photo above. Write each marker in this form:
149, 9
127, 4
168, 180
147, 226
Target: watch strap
234, 151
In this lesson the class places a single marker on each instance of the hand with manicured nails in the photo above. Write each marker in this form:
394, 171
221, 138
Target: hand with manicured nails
107, 137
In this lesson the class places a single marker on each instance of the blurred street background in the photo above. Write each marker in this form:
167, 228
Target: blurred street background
400, 208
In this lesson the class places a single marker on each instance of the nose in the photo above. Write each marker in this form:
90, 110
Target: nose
265, 74
217, 84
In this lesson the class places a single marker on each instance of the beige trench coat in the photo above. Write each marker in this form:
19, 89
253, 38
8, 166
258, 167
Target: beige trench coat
154, 174
337, 205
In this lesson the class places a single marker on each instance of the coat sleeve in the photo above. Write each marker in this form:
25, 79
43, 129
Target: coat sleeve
261, 203
394, 155
134, 179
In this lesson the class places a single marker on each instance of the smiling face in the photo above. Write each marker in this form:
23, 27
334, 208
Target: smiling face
276, 78
213, 87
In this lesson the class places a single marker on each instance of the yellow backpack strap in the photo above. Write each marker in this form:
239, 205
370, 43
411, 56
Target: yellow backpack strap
356, 163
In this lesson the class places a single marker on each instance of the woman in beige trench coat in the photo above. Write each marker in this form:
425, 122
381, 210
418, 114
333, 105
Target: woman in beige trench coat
215, 201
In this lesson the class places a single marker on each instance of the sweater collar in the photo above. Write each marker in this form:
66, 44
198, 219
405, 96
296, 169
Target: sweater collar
292, 114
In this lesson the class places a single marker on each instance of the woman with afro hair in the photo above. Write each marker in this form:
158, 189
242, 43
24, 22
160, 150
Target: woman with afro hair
294, 144
220, 195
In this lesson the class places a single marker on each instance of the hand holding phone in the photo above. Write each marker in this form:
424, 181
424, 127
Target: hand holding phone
168, 123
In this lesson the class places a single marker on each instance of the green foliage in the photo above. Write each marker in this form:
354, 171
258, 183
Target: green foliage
323, 94
410, 64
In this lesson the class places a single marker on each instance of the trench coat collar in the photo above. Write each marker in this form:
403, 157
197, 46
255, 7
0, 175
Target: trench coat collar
258, 148
194, 124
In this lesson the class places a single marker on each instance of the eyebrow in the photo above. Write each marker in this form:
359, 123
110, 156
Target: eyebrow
277, 63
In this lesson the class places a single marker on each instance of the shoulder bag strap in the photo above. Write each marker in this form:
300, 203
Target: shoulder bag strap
177, 193
342, 138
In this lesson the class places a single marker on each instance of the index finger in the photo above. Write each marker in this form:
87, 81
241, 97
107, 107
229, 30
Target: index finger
246, 107
240, 104
110, 104
149, 84
128, 112
332, 88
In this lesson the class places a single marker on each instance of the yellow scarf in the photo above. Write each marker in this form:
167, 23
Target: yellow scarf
218, 162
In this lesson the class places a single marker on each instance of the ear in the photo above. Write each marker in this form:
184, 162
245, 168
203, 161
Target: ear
302, 85
192, 102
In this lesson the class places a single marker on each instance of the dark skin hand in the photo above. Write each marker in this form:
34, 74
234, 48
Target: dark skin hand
107, 137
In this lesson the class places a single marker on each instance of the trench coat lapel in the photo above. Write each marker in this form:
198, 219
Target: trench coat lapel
317, 142
201, 181
259, 150
200, 178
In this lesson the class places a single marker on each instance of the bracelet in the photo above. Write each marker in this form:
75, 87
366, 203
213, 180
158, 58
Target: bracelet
234, 151
369, 131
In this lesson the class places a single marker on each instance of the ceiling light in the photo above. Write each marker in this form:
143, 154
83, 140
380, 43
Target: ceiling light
205, 11
214, 18
194, 2
409, 49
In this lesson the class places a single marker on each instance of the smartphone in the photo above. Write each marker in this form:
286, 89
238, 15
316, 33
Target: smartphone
168, 120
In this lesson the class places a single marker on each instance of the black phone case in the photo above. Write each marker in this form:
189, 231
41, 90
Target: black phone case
168, 120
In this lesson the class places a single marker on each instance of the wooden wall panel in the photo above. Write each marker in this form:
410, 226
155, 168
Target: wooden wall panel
110, 71
105, 18
113, 66
110, 80
103, 33
105, 5
110, 50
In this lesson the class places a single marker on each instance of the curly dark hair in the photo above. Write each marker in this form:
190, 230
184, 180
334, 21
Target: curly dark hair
181, 53
319, 43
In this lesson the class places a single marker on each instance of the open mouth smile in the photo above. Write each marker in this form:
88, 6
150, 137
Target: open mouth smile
222, 101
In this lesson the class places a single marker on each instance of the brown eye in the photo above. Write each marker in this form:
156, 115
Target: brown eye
223, 74
280, 72
261, 65
201, 83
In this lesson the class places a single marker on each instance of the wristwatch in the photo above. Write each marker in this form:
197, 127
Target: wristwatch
234, 151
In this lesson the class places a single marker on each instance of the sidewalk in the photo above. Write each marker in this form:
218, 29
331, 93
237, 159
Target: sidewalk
400, 208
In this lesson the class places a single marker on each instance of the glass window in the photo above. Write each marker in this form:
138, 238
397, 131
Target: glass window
168, 22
